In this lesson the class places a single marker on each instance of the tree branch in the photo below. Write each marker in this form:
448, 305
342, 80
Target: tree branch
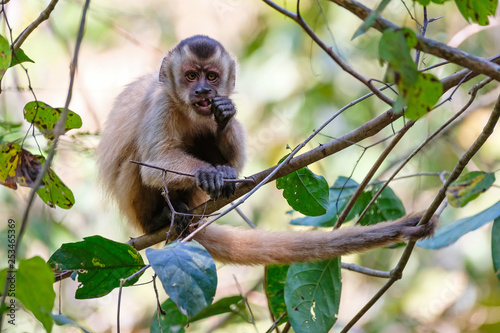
454, 55
459, 167
29, 29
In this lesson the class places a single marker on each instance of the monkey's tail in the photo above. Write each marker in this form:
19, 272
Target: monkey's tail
253, 247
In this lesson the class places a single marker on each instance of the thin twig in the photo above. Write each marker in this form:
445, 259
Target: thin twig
366, 270
459, 167
473, 93
160, 310
58, 131
348, 69
371, 173
246, 180
26, 32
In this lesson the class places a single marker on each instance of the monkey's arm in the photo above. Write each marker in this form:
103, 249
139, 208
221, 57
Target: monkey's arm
254, 247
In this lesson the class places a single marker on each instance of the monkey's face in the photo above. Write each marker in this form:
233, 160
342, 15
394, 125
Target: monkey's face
202, 83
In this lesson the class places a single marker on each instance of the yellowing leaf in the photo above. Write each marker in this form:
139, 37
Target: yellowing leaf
469, 187
45, 118
17, 166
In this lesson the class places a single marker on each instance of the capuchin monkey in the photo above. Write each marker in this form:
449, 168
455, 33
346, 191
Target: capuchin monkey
181, 118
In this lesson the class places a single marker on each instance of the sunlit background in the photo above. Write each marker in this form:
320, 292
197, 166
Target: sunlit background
286, 88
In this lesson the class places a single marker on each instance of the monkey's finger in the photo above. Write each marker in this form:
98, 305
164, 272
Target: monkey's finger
228, 190
205, 180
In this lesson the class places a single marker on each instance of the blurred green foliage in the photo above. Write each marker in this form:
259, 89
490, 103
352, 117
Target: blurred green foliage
286, 88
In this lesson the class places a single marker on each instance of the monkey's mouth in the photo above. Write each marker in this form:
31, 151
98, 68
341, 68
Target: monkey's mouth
204, 107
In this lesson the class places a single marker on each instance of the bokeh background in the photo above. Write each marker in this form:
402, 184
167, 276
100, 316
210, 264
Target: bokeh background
286, 87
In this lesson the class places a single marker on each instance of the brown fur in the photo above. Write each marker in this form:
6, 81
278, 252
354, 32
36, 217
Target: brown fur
152, 121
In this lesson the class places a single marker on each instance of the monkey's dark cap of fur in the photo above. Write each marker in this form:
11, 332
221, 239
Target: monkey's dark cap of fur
202, 46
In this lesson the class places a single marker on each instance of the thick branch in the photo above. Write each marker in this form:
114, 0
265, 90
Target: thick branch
457, 56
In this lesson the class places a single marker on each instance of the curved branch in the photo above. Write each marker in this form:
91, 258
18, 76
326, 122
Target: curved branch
348, 69
26, 32
454, 55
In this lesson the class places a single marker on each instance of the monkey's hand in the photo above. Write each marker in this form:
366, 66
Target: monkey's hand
212, 181
223, 110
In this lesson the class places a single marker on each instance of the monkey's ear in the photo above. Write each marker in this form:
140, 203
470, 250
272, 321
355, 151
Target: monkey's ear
165, 65
232, 75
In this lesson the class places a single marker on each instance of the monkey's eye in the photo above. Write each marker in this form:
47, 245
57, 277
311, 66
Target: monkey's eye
191, 76
212, 76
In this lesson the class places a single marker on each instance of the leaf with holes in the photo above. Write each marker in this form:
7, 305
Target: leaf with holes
305, 192
5, 56
477, 10
469, 187
18, 166
45, 118
312, 295
187, 273
55, 192
100, 262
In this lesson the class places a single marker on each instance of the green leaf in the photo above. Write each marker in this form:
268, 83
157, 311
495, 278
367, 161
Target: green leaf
55, 192
312, 295
172, 322
387, 206
422, 95
19, 58
100, 262
5, 56
450, 233
394, 48
368, 22
340, 193
231, 304
420, 92
305, 192
469, 187
477, 10
34, 288
45, 118
65, 321
187, 273
275, 290
495, 246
